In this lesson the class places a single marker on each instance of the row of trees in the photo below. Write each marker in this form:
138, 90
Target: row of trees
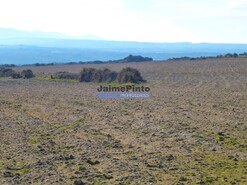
106, 75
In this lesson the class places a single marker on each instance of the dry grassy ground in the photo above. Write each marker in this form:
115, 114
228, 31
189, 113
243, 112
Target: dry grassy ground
192, 130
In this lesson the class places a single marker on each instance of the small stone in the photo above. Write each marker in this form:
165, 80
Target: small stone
71, 157
220, 133
182, 179
79, 182
108, 176
8, 174
89, 161
169, 157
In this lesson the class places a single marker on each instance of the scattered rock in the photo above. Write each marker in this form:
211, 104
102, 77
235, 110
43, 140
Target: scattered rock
71, 157
182, 179
170, 157
89, 161
133, 158
8, 174
107, 176
79, 182
220, 133
117, 144
12, 168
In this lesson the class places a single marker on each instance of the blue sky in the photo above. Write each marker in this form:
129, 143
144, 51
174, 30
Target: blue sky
214, 21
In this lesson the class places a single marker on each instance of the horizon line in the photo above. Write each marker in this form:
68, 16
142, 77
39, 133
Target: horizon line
66, 36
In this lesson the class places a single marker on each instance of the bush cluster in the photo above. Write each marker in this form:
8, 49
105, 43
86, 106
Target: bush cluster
27, 74
124, 76
6, 72
129, 75
97, 75
86, 75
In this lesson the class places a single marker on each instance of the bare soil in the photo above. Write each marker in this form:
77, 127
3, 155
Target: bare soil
191, 131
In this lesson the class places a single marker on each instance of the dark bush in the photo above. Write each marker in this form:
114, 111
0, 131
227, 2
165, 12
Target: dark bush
129, 75
66, 75
87, 75
94, 75
16, 75
109, 76
97, 76
27, 74
6, 72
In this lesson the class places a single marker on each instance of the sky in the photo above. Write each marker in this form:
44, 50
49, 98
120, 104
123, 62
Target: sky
213, 21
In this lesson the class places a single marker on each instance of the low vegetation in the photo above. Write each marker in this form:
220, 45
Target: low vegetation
97, 75
65, 75
27, 74
7, 72
129, 75
126, 75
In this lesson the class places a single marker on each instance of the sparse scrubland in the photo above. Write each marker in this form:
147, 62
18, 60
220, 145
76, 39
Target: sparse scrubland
191, 131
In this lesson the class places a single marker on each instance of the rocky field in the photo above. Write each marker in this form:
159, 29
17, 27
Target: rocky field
193, 130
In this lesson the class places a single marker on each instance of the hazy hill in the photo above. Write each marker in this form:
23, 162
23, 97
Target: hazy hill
24, 47
7, 34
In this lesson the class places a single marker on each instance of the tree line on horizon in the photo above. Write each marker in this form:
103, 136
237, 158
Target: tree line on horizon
133, 58
228, 55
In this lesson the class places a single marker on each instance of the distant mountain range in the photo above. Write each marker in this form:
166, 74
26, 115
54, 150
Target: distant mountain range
26, 47
9, 34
